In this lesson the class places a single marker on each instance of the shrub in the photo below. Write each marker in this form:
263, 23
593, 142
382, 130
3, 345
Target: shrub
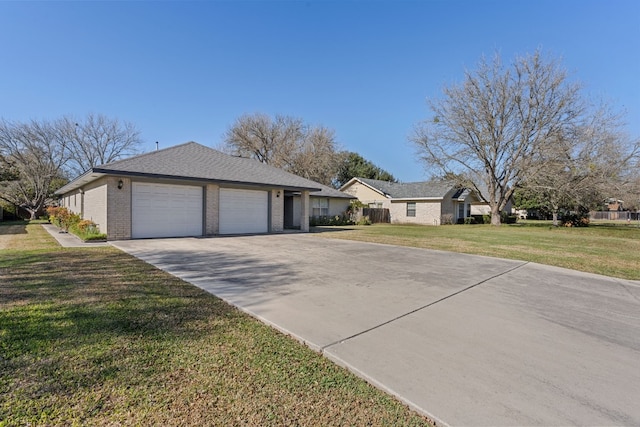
343, 219
575, 220
505, 218
68, 221
446, 219
469, 220
364, 221
61, 217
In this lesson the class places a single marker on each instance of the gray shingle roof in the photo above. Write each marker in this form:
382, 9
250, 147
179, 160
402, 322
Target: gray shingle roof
410, 190
331, 192
195, 161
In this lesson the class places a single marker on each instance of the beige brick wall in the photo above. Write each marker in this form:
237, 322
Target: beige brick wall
118, 209
95, 203
304, 211
277, 211
427, 213
366, 195
212, 209
73, 202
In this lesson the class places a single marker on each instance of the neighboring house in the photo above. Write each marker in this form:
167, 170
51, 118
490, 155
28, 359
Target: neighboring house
481, 207
612, 204
429, 203
191, 190
326, 202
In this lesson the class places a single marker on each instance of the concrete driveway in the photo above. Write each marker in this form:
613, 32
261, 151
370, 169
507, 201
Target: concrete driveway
467, 340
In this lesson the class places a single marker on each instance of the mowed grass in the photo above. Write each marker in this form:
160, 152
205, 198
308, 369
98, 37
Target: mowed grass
608, 249
97, 337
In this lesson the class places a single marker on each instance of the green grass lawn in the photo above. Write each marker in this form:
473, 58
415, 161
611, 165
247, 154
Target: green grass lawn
97, 337
609, 249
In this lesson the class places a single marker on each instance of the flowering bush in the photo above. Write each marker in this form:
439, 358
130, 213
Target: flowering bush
69, 221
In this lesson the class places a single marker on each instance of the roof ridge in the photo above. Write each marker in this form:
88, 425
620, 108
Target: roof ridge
149, 153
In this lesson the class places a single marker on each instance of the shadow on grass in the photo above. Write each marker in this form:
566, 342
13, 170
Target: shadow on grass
70, 319
13, 227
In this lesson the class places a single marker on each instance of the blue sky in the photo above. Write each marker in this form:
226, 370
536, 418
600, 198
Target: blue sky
184, 71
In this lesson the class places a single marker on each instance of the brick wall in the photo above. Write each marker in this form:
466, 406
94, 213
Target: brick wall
95, 204
427, 213
212, 209
118, 208
277, 211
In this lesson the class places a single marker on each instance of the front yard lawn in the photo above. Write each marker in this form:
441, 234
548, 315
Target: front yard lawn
97, 337
611, 250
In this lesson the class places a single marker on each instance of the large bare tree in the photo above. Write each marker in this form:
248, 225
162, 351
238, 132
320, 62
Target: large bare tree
580, 170
42, 154
287, 143
490, 128
37, 152
98, 139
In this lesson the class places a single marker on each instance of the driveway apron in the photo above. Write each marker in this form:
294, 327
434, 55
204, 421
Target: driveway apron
467, 340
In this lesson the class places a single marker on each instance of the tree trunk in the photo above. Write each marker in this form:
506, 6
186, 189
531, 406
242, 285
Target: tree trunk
555, 218
495, 216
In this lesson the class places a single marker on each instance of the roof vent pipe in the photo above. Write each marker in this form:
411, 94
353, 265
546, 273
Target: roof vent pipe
156, 145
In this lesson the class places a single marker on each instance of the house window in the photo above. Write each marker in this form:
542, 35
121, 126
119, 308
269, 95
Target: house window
461, 210
411, 208
319, 207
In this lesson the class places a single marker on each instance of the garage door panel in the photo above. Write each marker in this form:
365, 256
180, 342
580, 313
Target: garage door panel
166, 210
243, 211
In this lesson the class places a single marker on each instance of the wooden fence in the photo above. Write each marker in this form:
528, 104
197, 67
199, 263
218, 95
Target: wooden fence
377, 215
614, 215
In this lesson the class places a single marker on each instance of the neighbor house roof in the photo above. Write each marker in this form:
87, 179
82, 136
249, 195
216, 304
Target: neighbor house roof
409, 190
194, 161
331, 192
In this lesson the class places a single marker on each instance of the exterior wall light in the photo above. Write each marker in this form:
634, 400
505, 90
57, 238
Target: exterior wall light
120, 184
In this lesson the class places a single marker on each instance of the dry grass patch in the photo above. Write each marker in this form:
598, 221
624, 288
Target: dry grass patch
97, 337
22, 235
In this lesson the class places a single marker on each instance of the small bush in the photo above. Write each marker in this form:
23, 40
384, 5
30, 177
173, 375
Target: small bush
446, 219
469, 220
576, 220
68, 221
505, 218
344, 219
364, 221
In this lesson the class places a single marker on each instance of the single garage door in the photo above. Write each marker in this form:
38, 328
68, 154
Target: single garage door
243, 211
165, 210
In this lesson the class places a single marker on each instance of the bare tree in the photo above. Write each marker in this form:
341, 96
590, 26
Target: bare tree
316, 158
490, 128
268, 141
43, 154
37, 154
581, 169
98, 139
287, 143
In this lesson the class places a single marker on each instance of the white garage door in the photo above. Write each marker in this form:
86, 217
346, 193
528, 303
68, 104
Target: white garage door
165, 210
243, 211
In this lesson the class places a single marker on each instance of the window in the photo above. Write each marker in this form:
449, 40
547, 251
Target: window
464, 210
411, 208
319, 207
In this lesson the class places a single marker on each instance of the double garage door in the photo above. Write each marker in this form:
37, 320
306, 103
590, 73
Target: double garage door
167, 210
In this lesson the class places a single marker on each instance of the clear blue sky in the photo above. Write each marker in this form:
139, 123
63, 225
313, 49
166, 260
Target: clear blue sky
184, 71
